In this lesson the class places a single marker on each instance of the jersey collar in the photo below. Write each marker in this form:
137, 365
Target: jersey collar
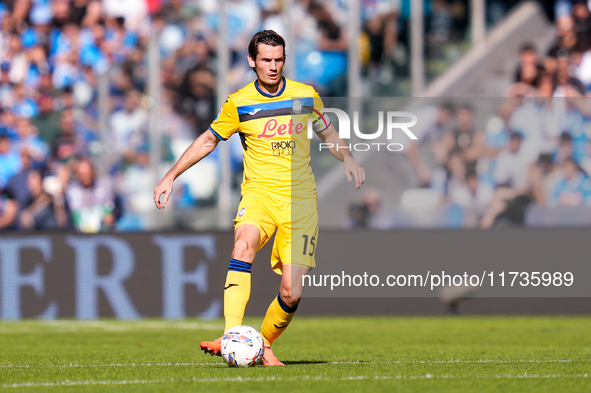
256, 84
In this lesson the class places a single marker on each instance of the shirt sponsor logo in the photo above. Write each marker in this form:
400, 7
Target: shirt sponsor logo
283, 148
272, 128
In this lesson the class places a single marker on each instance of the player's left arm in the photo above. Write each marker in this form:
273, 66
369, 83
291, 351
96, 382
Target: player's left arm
330, 136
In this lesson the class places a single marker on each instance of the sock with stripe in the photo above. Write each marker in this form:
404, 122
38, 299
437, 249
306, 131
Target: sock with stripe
278, 316
236, 292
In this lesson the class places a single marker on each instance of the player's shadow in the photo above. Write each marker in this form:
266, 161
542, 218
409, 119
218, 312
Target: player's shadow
298, 362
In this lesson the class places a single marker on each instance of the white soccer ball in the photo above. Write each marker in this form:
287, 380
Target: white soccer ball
242, 346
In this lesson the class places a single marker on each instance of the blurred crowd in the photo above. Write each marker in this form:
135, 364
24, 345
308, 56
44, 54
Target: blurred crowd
495, 159
535, 149
522, 160
565, 69
59, 170
530, 151
50, 56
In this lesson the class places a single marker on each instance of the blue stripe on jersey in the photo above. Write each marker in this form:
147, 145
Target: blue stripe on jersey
217, 135
254, 108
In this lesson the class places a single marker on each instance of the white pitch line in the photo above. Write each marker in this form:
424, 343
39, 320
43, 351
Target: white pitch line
491, 361
462, 361
303, 378
109, 365
73, 325
451, 361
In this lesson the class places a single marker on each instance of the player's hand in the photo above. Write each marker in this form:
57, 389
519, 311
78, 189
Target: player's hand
164, 187
354, 170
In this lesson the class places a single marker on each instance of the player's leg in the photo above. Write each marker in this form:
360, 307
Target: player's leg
282, 309
293, 256
237, 286
253, 229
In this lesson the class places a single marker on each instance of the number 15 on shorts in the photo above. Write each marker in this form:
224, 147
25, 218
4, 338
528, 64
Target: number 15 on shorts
309, 249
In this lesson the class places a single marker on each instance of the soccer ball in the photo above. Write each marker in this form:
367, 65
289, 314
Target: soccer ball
242, 346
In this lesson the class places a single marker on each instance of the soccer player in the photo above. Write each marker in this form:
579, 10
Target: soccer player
278, 189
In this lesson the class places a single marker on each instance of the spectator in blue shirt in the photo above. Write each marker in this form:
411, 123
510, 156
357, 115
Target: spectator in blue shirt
24, 106
574, 189
10, 160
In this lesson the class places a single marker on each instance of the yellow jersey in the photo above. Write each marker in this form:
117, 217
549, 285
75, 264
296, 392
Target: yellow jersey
274, 134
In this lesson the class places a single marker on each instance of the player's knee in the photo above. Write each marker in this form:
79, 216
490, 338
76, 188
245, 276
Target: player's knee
243, 250
289, 298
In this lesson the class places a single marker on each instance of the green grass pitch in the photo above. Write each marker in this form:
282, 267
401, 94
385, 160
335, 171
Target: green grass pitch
329, 354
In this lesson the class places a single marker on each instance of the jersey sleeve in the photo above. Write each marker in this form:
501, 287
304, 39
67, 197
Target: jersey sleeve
227, 122
321, 121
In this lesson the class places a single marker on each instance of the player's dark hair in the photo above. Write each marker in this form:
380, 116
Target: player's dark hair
267, 37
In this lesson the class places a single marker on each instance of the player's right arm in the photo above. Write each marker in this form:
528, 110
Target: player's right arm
199, 149
226, 124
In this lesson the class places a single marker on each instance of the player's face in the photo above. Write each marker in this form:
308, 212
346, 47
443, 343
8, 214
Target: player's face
268, 65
